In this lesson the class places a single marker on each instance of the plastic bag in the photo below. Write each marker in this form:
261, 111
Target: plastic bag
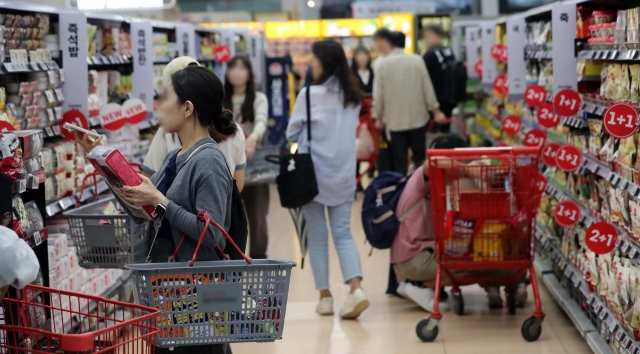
364, 143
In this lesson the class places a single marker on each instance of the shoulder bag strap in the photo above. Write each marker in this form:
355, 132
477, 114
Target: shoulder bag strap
308, 101
155, 236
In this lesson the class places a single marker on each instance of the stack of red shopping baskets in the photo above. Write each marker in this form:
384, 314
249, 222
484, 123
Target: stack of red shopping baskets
44, 320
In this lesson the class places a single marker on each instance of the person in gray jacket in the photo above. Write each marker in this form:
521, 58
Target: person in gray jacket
192, 178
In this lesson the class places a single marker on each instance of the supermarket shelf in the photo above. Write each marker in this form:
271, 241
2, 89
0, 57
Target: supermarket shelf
92, 305
589, 78
570, 307
102, 60
598, 344
595, 108
150, 122
575, 122
205, 58
8, 68
52, 132
537, 54
610, 54
541, 267
494, 121
70, 201
163, 59
483, 133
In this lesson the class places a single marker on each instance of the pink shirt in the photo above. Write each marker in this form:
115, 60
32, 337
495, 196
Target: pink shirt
416, 231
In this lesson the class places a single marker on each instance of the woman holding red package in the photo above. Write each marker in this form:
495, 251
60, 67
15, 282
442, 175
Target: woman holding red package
192, 178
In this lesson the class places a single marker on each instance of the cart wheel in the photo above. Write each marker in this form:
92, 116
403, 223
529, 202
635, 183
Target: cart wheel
423, 334
458, 303
511, 303
530, 330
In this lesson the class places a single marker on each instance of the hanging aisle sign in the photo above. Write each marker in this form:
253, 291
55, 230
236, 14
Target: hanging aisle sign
186, 40
535, 137
567, 103
500, 84
601, 238
73, 44
489, 71
563, 27
497, 51
547, 117
277, 88
471, 45
511, 125
541, 183
142, 52
549, 154
567, 213
620, 120
516, 68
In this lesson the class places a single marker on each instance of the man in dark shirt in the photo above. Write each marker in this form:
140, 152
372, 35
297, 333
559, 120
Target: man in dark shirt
436, 58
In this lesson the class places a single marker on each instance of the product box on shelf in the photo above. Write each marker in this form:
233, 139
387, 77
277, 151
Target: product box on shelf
73, 259
76, 280
59, 244
117, 171
31, 142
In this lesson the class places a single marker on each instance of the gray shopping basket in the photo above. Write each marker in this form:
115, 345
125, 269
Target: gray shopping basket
259, 170
106, 241
214, 301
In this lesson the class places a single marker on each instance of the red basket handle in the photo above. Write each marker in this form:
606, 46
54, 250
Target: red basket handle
450, 120
204, 216
84, 181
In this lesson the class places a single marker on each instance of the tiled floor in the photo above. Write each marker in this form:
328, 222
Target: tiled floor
388, 326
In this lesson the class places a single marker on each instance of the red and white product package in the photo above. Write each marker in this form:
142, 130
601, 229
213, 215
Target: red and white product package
117, 171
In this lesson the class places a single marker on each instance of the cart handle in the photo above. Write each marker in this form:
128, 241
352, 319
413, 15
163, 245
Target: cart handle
204, 216
484, 151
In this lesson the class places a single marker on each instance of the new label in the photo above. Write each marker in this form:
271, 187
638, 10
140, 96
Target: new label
535, 95
601, 237
620, 120
569, 158
112, 117
549, 154
535, 137
567, 103
547, 117
74, 117
567, 213
135, 110
511, 125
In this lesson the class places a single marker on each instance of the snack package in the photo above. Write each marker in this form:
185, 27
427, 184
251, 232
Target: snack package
634, 213
625, 83
457, 244
626, 154
487, 243
634, 92
603, 193
622, 198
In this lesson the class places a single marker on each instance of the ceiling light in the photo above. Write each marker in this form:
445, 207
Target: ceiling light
311, 3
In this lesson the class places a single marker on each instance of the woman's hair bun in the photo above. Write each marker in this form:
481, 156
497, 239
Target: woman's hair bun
224, 124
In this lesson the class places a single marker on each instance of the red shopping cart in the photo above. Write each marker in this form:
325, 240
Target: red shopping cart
484, 205
43, 320
367, 128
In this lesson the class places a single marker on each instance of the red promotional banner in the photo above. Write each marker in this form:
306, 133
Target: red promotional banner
535, 137
541, 183
549, 154
601, 238
478, 68
221, 54
535, 95
504, 56
569, 158
567, 103
500, 84
511, 125
620, 120
135, 110
112, 117
6, 126
74, 117
547, 117
496, 51
567, 213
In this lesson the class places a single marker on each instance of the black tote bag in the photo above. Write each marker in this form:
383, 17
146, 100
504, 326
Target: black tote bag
297, 184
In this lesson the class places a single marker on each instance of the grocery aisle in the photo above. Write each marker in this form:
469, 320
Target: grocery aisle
388, 326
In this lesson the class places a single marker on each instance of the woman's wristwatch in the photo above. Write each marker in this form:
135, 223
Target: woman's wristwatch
161, 208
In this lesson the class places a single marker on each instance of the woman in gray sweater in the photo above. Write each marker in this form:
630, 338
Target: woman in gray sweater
192, 178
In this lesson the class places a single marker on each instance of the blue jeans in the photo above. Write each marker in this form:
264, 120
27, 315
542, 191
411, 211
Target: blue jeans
340, 221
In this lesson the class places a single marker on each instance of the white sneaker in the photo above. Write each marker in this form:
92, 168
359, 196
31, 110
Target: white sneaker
325, 306
401, 289
521, 294
424, 297
355, 304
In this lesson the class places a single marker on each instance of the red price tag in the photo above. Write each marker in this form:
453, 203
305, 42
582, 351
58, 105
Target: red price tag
221, 54
112, 117
511, 125
569, 158
6, 126
504, 56
500, 84
547, 117
567, 103
541, 183
620, 120
478, 68
135, 110
496, 51
601, 237
74, 117
535, 95
567, 213
535, 137
549, 154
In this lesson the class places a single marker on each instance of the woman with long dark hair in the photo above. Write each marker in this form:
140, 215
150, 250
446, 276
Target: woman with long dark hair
361, 68
335, 105
250, 108
192, 178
